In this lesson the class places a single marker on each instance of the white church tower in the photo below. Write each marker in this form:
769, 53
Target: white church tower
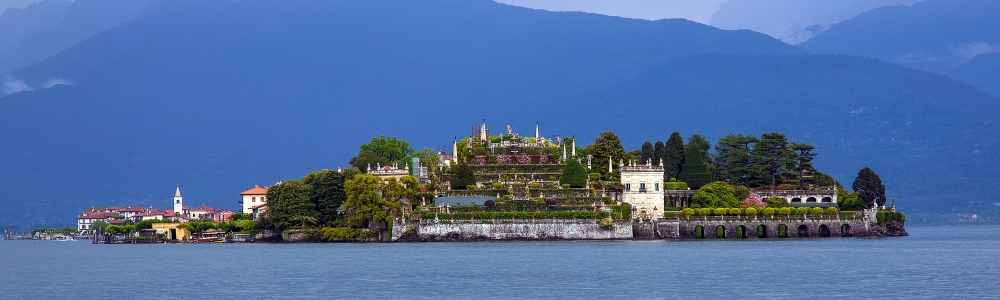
178, 202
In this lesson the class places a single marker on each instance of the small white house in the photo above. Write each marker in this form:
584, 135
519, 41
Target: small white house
255, 197
643, 186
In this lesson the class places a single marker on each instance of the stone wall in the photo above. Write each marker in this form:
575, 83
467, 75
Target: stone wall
429, 230
771, 227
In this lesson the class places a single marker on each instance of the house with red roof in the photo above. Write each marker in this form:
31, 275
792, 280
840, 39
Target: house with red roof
86, 220
255, 198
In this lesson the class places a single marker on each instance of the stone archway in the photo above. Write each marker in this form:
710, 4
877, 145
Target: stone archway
782, 231
796, 200
720, 232
827, 200
845, 230
699, 232
811, 200
803, 231
741, 231
824, 231
761, 231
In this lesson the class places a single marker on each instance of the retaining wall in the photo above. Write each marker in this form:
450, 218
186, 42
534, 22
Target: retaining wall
511, 230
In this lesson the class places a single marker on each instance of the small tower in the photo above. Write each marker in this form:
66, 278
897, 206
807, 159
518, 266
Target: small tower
454, 149
178, 202
536, 131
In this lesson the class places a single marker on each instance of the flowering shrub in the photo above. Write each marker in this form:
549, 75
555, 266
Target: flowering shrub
753, 200
490, 203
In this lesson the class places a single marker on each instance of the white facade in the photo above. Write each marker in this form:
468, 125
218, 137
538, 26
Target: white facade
178, 202
643, 189
253, 197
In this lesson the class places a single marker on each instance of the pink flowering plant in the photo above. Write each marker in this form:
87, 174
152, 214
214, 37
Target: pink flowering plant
753, 200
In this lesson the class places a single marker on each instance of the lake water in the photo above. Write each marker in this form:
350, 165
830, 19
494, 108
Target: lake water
934, 262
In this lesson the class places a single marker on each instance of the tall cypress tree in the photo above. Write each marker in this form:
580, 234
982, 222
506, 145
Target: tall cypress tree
869, 187
657, 153
673, 155
694, 171
771, 156
646, 153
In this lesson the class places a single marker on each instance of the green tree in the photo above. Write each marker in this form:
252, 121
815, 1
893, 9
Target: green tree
365, 206
286, 201
771, 156
368, 159
673, 155
733, 159
382, 150
657, 153
574, 174
326, 193
606, 148
392, 149
716, 194
869, 187
803, 157
646, 153
694, 171
240, 216
702, 144
462, 176
99, 224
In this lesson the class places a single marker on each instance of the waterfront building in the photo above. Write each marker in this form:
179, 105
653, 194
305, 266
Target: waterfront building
643, 185
86, 220
199, 212
254, 198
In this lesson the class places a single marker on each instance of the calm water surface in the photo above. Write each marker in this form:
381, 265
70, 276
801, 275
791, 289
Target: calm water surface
935, 262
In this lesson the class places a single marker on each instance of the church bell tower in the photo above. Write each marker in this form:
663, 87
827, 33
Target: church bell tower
178, 202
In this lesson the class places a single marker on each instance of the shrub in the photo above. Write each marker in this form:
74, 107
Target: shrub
801, 210
716, 194
595, 176
490, 203
607, 223
751, 211
785, 187
883, 217
785, 211
703, 211
776, 202
742, 192
752, 200
535, 185
565, 185
676, 186
735, 211
769, 211
816, 211
832, 211
574, 174
470, 187
720, 211
550, 202
329, 234
687, 212
497, 185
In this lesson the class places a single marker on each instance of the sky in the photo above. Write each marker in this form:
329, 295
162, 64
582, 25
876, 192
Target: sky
782, 19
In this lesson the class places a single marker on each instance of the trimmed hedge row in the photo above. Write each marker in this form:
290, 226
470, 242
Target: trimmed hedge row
815, 211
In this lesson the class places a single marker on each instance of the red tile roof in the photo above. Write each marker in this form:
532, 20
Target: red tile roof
256, 190
202, 208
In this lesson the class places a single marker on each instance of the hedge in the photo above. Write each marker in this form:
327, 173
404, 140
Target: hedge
675, 186
883, 217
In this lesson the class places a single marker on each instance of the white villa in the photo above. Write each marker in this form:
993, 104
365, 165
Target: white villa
643, 189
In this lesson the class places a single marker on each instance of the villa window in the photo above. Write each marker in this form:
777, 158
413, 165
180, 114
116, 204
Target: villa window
642, 187
656, 187
628, 187
253, 199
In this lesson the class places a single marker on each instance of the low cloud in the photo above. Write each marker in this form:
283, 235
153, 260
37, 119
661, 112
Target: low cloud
967, 51
56, 81
13, 85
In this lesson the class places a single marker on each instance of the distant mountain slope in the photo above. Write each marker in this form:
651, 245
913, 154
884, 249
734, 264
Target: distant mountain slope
982, 71
218, 96
17, 23
933, 140
933, 35
80, 20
